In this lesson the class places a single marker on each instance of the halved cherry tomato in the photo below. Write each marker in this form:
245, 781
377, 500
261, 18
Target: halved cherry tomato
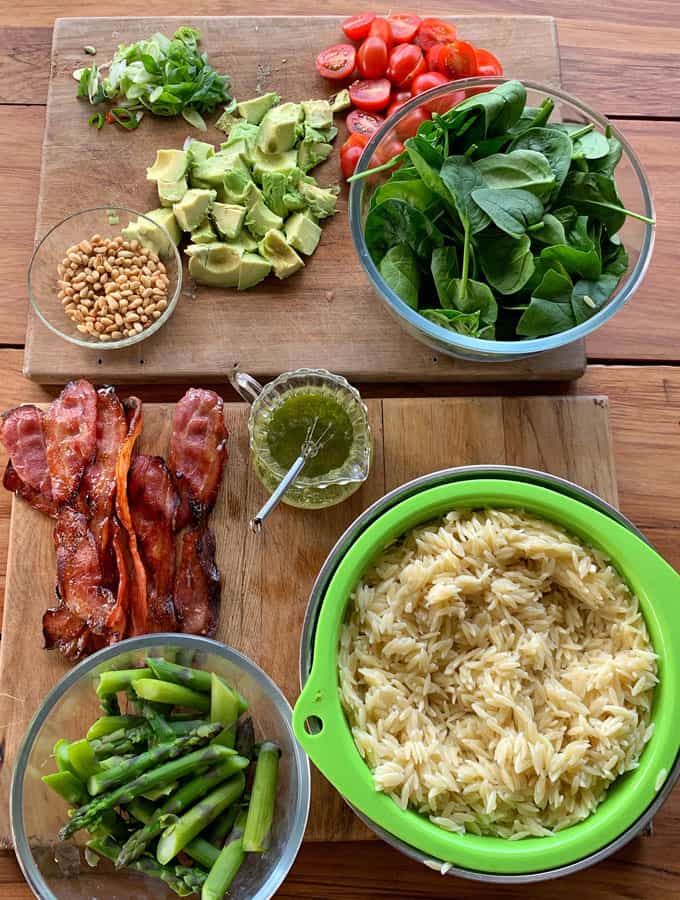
404, 27
395, 105
426, 81
364, 123
356, 27
435, 57
459, 60
349, 157
336, 62
380, 27
372, 94
408, 126
435, 31
406, 62
400, 96
356, 140
487, 63
372, 57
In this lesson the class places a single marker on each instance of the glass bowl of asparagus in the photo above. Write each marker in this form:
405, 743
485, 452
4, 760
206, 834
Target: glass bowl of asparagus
162, 766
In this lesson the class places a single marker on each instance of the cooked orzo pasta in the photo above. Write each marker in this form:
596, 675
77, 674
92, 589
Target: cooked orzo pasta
497, 674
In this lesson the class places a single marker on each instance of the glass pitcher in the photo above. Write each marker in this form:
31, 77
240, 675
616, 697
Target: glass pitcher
319, 491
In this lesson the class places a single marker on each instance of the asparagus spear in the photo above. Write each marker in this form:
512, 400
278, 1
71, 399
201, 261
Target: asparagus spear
224, 870
163, 791
181, 726
200, 850
196, 679
159, 725
67, 786
164, 774
245, 738
61, 757
110, 778
82, 759
174, 805
121, 741
108, 848
224, 708
112, 761
185, 829
106, 725
111, 683
222, 826
262, 800
173, 694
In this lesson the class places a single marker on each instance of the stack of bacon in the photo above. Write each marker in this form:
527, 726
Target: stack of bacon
133, 547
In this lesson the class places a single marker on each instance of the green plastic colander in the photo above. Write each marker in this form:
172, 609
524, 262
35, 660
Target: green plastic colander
321, 726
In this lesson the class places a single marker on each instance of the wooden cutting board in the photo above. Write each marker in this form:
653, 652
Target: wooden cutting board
267, 578
325, 315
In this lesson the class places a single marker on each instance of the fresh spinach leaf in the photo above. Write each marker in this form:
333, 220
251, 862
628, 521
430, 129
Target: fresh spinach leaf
579, 256
461, 323
588, 297
586, 141
399, 268
549, 311
429, 173
507, 262
395, 222
461, 178
524, 169
614, 256
567, 215
414, 192
474, 296
595, 195
497, 110
555, 147
512, 210
533, 117
445, 271
605, 165
549, 231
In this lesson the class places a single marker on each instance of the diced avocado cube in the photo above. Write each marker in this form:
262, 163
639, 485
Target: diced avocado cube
235, 187
199, 151
210, 173
236, 156
242, 131
227, 121
280, 128
193, 208
214, 264
170, 192
150, 236
260, 219
302, 234
318, 113
244, 243
311, 151
273, 189
228, 219
254, 269
170, 165
321, 201
204, 234
340, 101
276, 249
277, 162
254, 110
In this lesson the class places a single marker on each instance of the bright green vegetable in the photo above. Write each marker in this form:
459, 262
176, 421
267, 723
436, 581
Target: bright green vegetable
82, 759
164, 670
230, 860
106, 725
67, 786
222, 826
182, 884
262, 799
119, 680
224, 708
173, 694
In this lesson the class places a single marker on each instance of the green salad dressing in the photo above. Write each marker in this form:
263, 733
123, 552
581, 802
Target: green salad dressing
310, 410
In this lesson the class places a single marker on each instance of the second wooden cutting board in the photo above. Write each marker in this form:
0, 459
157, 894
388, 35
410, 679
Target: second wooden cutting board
267, 578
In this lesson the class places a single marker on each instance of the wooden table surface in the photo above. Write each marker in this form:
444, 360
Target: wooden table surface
624, 59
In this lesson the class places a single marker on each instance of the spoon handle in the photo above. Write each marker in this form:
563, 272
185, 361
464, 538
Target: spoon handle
282, 487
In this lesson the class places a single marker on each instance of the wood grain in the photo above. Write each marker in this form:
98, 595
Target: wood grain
611, 57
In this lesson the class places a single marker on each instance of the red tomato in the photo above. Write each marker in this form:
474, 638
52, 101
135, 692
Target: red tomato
459, 60
364, 123
404, 27
487, 63
372, 58
336, 62
401, 96
406, 62
426, 81
356, 27
395, 105
349, 157
381, 28
435, 57
356, 140
408, 126
387, 150
435, 31
372, 95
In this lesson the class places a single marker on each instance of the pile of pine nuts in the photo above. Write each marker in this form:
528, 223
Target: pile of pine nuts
112, 288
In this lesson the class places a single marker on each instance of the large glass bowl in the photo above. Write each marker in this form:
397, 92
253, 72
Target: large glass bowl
107, 221
57, 870
637, 236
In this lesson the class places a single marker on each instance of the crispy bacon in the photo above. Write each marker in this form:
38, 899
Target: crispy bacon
198, 452
137, 587
79, 575
66, 632
42, 502
21, 433
116, 622
153, 504
197, 584
70, 429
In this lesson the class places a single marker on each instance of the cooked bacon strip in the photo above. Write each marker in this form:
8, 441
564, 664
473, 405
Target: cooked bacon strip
70, 429
197, 584
198, 452
79, 575
65, 631
42, 502
137, 586
117, 620
153, 504
21, 433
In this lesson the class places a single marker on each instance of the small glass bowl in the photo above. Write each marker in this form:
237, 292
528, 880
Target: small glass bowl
56, 870
637, 236
107, 221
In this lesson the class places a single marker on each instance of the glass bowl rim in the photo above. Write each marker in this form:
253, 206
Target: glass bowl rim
123, 342
293, 843
490, 348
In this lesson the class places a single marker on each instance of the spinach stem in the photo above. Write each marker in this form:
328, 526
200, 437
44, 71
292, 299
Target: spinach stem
585, 130
466, 259
388, 165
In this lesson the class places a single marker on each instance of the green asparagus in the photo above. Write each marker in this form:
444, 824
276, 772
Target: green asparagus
224, 708
163, 791
181, 726
109, 778
245, 738
196, 679
61, 757
110, 761
224, 870
167, 692
262, 800
185, 829
82, 759
147, 865
67, 786
164, 774
173, 806
106, 725
159, 724
221, 827
200, 850
119, 680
